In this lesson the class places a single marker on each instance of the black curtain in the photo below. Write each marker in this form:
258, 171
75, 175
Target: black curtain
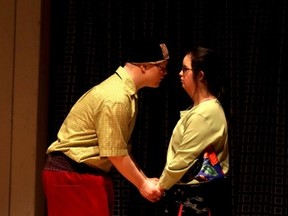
88, 38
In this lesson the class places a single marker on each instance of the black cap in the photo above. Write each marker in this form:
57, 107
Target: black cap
147, 51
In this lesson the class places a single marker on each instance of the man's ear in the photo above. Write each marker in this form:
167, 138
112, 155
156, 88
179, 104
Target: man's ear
143, 67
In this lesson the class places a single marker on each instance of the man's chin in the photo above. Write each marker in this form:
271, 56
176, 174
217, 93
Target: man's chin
155, 86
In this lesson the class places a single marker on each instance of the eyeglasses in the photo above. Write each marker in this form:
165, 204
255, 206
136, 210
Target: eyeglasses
185, 69
161, 67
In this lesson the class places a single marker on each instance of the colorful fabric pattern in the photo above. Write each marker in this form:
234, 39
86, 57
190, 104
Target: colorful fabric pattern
211, 168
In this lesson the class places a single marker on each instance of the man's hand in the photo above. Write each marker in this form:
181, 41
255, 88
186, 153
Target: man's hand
149, 190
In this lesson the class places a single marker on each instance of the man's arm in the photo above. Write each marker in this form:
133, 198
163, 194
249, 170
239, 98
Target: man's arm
127, 167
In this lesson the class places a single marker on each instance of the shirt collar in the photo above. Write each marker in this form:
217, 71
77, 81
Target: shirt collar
129, 85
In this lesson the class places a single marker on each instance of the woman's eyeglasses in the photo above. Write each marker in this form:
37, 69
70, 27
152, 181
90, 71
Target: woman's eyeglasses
185, 69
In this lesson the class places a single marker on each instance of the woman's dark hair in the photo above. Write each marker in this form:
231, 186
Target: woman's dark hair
208, 61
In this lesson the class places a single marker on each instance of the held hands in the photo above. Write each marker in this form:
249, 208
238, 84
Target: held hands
161, 189
150, 191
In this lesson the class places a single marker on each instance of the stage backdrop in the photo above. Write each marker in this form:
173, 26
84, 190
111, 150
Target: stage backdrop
87, 42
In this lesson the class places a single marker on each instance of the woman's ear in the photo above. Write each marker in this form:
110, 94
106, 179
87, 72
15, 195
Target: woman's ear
201, 75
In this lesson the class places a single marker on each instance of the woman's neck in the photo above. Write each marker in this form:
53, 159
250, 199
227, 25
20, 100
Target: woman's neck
203, 98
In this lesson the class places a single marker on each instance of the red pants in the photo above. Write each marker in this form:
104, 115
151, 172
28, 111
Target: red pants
74, 194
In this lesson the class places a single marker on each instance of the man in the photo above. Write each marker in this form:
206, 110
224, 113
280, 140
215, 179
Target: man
95, 137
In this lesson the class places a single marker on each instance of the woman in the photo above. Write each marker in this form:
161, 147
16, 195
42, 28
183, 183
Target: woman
197, 162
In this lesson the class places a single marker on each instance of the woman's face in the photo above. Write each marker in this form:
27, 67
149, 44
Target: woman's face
186, 76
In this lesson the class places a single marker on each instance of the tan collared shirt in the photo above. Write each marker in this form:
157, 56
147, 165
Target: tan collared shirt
100, 123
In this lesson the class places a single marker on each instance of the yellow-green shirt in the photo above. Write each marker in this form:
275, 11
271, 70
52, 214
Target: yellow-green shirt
100, 123
199, 127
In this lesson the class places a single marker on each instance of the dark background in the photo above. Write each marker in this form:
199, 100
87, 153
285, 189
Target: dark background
87, 42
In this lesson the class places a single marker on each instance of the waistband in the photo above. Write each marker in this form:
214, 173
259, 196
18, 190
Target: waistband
58, 161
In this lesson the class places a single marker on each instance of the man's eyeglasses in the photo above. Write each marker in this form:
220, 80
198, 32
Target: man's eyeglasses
161, 67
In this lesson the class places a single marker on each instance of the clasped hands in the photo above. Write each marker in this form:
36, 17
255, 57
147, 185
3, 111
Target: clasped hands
151, 190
